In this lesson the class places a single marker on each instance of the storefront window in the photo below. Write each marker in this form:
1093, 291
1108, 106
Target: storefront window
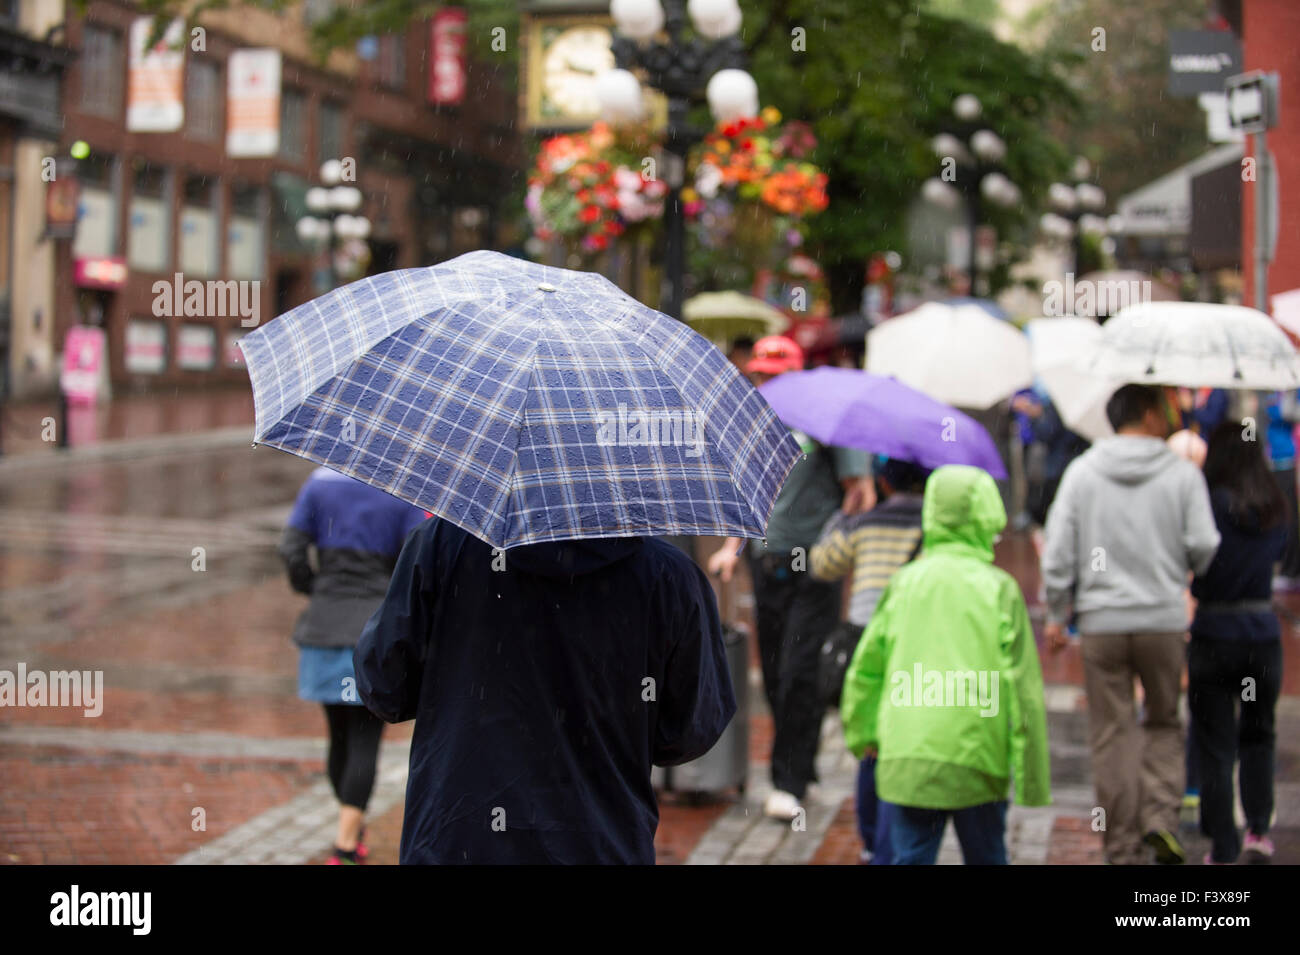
96, 208
148, 241
246, 237
145, 347
196, 347
199, 241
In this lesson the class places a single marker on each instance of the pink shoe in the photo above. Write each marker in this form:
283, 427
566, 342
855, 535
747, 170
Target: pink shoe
1261, 846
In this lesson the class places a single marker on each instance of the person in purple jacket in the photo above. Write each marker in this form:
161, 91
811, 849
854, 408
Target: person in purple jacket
357, 532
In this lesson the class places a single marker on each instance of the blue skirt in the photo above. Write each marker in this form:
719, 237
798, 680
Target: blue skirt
325, 675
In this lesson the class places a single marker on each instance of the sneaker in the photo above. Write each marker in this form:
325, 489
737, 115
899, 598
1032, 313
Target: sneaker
340, 857
782, 805
1189, 817
1260, 848
363, 850
1169, 850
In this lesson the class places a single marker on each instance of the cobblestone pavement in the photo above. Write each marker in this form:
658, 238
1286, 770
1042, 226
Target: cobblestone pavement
204, 754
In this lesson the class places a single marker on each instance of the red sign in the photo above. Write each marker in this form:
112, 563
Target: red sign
106, 272
447, 62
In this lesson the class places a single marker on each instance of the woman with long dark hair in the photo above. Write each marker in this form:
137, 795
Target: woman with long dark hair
1235, 652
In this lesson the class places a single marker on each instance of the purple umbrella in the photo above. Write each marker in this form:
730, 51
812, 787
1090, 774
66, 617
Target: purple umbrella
856, 409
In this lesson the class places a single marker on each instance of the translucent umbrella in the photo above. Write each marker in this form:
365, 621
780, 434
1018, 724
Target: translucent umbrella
958, 354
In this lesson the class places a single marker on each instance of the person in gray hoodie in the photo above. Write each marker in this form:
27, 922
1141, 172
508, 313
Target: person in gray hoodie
1130, 523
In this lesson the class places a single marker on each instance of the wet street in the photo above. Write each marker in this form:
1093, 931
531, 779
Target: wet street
154, 562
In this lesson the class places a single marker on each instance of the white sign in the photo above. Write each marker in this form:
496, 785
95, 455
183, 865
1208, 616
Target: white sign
253, 103
154, 97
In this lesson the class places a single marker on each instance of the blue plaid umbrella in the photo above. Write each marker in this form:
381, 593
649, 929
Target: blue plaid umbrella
522, 402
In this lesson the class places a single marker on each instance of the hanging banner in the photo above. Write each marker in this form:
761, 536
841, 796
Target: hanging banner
253, 103
154, 89
447, 62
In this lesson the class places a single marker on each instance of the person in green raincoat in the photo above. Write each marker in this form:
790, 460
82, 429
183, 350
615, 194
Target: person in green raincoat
945, 686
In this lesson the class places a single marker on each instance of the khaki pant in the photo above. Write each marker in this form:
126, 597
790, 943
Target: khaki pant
1137, 770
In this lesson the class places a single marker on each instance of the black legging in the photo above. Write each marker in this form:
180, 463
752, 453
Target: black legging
354, 752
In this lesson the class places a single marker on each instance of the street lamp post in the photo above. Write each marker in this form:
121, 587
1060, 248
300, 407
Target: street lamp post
679, 67
1077, 209
332, 206
973, 154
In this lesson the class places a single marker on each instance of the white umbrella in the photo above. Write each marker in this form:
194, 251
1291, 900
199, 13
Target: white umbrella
1195, 345
958, 354
1055, 347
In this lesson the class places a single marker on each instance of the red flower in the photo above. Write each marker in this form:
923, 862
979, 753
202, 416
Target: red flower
589, 214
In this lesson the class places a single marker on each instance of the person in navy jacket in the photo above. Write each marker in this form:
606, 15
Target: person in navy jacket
544, 682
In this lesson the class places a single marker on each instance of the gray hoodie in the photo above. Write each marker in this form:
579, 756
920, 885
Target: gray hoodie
1130, 521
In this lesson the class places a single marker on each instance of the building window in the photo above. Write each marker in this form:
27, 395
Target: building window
148, 238
203, 100
390, 65
96, 208
329, 139
246, 235
293, 125
196, 347
199, 246
146, 347
103, 71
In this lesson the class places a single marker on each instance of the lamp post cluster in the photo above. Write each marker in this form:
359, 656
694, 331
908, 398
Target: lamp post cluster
684, 49
1076, 209
972, 175
331, 220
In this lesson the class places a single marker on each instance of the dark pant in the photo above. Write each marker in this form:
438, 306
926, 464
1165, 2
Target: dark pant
353, 753
874, 816
981, 830
1229, 725
795, 612
1291, 555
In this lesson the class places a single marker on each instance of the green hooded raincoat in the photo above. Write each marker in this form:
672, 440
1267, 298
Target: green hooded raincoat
945, 682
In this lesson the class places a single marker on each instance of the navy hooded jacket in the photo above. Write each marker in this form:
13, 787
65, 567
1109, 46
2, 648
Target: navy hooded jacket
544, 681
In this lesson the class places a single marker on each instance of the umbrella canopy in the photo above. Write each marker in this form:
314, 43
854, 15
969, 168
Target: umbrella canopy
856, 409
1194, 344
727, 315
957, 354
1055, 345
521, 402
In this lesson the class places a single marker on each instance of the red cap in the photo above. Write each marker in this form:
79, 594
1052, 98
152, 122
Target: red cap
775, 355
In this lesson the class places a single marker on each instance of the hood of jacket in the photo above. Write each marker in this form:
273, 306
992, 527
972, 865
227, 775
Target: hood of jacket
963, 510
1131, 459
570, 558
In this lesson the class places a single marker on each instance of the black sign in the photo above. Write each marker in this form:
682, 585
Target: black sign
1200, 60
